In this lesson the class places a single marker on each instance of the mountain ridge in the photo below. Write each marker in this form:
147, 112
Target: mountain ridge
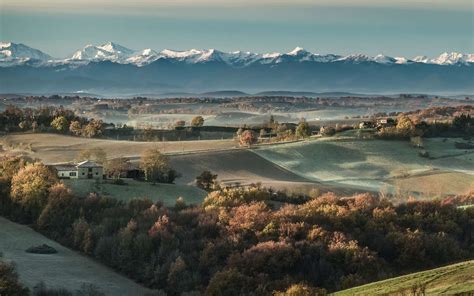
113, 69
12, 54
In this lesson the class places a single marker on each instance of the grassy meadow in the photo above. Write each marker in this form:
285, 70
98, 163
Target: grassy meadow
456, 279
166, 193
378, 165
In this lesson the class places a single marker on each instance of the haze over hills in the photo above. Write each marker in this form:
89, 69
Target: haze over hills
111, 68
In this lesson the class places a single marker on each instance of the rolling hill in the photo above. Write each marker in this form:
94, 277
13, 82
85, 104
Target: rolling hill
455, 279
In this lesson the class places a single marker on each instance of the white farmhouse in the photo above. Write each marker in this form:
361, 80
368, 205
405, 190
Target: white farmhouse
84, 170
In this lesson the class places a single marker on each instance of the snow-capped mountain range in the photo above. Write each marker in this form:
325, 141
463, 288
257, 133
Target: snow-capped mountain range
12, 54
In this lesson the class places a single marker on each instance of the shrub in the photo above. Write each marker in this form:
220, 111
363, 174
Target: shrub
197, 121
9, 281
41, 249
206, 180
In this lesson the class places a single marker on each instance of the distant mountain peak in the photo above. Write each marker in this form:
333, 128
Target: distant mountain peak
298, 51
114, 47
453, 58
18, 53
5, 44
108, 51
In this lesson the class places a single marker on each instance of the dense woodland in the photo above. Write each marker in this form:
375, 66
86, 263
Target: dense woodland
243, 241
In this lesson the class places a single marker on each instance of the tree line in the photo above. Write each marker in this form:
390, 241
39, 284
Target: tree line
49, 119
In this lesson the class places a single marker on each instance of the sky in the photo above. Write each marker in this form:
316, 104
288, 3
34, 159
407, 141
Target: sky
396, 28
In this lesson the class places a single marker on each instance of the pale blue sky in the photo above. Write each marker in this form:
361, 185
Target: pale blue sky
397, 28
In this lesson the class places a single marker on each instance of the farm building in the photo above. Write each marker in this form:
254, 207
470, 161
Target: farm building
84, 170
385, 122
366, 124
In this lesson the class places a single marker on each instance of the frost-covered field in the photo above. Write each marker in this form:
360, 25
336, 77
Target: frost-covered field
65, 269
387, 166
166, 193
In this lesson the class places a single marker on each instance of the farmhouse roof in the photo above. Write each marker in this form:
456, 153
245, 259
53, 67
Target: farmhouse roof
64, 166
88, 164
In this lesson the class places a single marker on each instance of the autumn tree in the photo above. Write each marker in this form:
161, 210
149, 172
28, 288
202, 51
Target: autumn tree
75, 128
156, 167
93, 129
197, 121
229, 282
405, 127
206, 180
30, 187
117, 166
9, 166
248, 138
179, 278
302, 130
59, 213
179, 124
60, 124
82, 236
302, 290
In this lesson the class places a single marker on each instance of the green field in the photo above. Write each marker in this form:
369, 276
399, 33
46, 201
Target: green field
378, 165
167, 193
449, 280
